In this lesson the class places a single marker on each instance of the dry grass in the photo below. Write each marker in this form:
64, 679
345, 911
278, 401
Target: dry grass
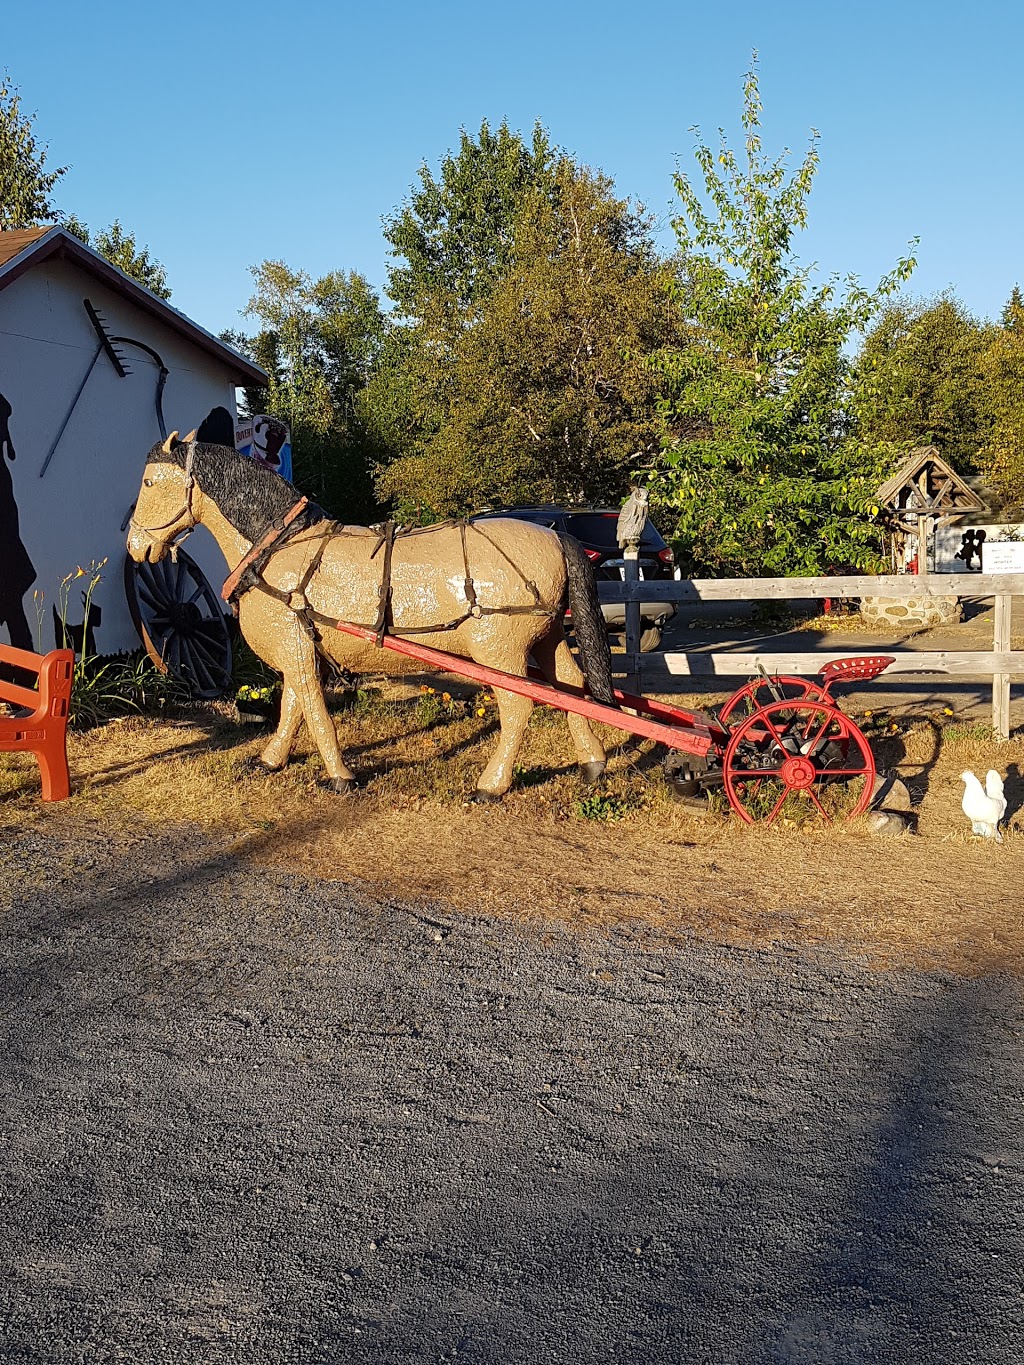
938, 898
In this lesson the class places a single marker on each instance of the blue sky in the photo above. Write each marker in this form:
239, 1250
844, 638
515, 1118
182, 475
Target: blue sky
225, 133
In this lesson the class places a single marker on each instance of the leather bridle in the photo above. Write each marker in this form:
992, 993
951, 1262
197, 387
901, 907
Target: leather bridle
185, 509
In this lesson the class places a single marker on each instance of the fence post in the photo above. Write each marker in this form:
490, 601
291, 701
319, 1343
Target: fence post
631, 574
1001, 681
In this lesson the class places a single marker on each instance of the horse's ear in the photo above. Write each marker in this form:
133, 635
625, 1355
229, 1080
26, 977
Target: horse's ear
191, 436
169, 443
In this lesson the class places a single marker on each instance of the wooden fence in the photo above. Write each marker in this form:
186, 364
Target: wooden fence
1000, 663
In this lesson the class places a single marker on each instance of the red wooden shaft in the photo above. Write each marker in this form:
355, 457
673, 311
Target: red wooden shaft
684, 735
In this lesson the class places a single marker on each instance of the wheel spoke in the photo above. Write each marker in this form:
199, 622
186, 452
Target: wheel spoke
809, 751
199, 668
778, 805
754, 772
154, 602
212, 627
775, 735
813, 795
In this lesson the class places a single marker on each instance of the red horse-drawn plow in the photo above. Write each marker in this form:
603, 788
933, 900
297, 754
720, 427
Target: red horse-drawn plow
775, 738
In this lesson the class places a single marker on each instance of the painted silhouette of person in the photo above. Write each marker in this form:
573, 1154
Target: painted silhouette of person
972, 545
17, 572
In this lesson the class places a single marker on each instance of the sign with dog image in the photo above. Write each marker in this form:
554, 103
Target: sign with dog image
266, 440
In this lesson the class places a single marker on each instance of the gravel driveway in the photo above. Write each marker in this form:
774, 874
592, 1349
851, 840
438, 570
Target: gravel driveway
251, 1118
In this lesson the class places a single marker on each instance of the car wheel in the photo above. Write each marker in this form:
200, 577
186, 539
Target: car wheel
650, 639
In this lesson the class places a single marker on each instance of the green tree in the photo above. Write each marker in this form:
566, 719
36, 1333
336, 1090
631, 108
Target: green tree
25, 182
121, 249
544, 393
1002, 365
761, 471
919, 379
318, 341
453, 239
527, 299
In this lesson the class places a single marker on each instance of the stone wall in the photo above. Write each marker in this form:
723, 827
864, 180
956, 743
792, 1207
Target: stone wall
911, 611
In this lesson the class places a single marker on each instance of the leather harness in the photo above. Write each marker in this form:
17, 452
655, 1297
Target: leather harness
248, 574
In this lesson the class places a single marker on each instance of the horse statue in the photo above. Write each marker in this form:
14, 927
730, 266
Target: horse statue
493, 591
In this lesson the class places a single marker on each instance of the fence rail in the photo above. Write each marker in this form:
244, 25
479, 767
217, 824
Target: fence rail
1000, 663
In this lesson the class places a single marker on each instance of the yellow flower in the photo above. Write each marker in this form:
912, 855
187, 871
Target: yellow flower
868, 714
947, 710
446, 696
481, 711
80, 573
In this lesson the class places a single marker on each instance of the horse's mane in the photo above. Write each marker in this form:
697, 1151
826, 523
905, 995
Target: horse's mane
251, 496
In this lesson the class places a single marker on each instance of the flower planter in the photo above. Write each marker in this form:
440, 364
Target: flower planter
258, 710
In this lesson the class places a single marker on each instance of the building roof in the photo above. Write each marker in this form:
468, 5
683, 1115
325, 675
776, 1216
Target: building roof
926, 485
22, 248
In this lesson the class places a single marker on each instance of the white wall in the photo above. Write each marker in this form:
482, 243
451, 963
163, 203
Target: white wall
949, 540
73, 514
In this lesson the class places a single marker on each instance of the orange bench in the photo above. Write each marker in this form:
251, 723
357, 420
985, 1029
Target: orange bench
44, 731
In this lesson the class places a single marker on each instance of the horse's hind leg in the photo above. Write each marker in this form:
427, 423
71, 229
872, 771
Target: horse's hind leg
555, 661
514, 713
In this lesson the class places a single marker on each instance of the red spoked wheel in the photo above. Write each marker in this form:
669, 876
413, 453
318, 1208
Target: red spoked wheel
799, 750
759, 692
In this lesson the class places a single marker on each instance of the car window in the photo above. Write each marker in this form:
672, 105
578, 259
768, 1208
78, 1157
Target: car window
598, 528
535, 518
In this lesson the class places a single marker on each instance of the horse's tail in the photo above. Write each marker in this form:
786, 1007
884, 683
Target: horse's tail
587, 621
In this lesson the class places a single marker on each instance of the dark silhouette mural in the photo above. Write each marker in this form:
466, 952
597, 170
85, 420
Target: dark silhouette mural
17, 572
972, 546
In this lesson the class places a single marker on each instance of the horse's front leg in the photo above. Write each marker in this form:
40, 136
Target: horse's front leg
302, 678
276, 753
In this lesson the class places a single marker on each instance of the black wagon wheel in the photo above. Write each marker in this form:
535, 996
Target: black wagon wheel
181, 622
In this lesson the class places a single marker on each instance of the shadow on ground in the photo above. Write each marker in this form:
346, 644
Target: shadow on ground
252, 1117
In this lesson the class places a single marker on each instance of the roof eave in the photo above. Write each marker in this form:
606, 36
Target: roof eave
59, 244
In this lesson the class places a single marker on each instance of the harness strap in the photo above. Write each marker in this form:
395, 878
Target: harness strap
276, 531
311, 618
527, 582
384, 601
469, 587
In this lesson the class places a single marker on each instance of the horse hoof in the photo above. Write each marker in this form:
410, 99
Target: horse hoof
341, 786
482, 798
592, 772
255, 766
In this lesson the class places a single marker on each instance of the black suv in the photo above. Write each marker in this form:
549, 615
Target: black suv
594, 528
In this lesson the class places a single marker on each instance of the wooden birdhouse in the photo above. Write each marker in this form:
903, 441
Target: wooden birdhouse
924, 493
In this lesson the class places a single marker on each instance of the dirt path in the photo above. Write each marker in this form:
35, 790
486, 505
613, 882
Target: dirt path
249, 1117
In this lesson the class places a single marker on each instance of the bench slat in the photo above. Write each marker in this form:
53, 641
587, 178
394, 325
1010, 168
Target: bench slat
18, 696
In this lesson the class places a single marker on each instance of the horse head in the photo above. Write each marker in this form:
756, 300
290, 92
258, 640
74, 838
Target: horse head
166, 505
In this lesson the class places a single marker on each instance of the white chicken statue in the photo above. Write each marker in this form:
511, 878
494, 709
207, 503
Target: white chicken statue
984, 806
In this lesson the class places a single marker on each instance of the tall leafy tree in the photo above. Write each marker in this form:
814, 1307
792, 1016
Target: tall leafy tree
919, 379
453, 238
527, 295
26, 183
318, 340
760, 471
543, 394
1002, 457
121, 248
